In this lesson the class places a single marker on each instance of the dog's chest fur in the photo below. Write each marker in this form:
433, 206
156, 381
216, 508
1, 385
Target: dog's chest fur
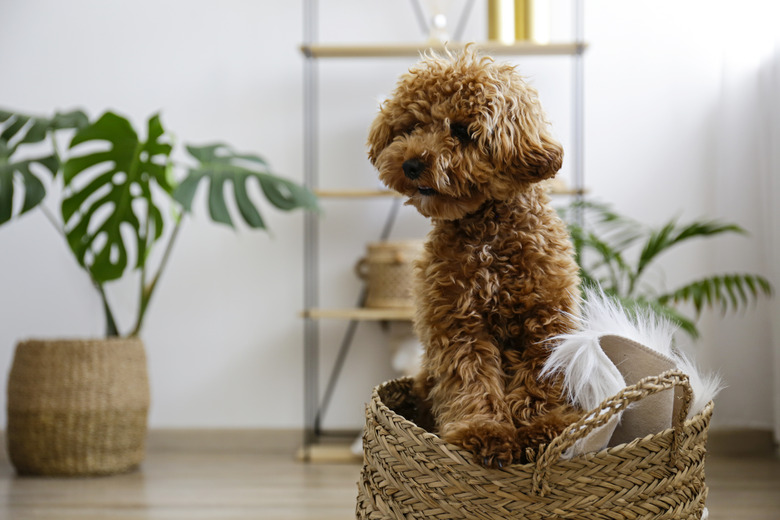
492, 269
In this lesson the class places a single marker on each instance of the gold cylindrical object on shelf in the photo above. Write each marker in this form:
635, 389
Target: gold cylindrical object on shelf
524, 18
501, 21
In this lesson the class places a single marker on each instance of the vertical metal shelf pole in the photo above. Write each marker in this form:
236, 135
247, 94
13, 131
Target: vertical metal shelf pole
579, 107
349, 335
311, 332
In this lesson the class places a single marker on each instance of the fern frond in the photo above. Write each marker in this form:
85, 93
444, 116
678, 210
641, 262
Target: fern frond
728, 291
670, 235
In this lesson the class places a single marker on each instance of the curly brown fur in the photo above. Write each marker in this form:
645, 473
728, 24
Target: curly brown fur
465, 139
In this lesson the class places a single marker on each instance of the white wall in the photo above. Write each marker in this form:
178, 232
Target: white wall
223, 336
672, 103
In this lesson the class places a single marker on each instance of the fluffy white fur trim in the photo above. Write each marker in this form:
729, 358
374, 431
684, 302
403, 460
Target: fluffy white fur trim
589, 377
705, 385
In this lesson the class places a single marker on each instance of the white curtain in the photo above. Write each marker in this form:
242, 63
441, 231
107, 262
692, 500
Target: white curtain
747, 176
769, 181
770, 79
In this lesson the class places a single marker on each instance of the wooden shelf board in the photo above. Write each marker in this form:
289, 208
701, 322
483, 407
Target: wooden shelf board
414, 49
328, 454
361, 314
567, 191
355, 193
368, 193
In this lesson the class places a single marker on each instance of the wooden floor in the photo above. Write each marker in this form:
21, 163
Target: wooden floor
254, 475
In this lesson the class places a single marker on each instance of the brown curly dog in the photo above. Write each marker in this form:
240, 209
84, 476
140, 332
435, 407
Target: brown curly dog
465, 139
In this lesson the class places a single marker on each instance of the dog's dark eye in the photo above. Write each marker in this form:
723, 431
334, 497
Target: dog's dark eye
409, 129
460, 132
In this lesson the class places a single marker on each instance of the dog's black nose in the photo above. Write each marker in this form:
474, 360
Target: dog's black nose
413, 168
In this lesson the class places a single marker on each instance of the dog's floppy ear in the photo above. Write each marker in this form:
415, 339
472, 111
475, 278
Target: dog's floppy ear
539, 157
379, 136
521, 138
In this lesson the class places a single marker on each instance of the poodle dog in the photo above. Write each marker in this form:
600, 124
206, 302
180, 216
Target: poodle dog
465, 139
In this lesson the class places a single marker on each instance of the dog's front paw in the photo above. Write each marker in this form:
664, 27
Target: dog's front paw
491, 442
541, 431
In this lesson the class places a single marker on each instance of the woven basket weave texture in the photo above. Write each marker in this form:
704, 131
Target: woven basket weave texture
77, 407
410, 473
388, 271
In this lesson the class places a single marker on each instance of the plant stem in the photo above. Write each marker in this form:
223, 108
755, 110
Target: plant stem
52, 220
148, 290
632, 279
143, 299
111, 327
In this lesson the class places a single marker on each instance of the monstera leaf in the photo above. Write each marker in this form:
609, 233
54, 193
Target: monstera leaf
110, 193
18, 131
220, 166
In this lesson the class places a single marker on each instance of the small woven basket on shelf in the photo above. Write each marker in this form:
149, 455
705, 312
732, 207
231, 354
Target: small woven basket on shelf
409, 473
387, 270
77, 407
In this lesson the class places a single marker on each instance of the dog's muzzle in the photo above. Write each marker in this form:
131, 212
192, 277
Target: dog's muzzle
413, 168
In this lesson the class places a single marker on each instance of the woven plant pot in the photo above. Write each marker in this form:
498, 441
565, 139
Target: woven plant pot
410, 473
77, 407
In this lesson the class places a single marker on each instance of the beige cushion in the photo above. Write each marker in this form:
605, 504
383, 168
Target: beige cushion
635, 361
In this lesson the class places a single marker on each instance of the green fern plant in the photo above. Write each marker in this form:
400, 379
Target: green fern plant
617, 253
117, 186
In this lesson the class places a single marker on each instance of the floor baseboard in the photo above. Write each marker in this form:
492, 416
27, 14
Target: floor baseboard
737, 442
741, 442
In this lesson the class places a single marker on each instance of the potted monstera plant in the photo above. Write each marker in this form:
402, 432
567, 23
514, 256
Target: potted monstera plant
79, 407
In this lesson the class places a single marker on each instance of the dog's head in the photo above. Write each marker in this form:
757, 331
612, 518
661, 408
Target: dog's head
459, 130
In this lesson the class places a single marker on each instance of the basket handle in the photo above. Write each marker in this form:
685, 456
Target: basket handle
605, 411
361, 268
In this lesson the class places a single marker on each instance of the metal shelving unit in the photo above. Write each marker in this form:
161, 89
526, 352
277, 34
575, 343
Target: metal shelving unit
315, 402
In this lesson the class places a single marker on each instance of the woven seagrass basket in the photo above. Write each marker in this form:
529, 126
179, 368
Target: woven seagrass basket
410, 473
77, 408
388, 272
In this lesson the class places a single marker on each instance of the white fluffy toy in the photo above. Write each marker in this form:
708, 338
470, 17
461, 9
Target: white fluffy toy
612, 349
